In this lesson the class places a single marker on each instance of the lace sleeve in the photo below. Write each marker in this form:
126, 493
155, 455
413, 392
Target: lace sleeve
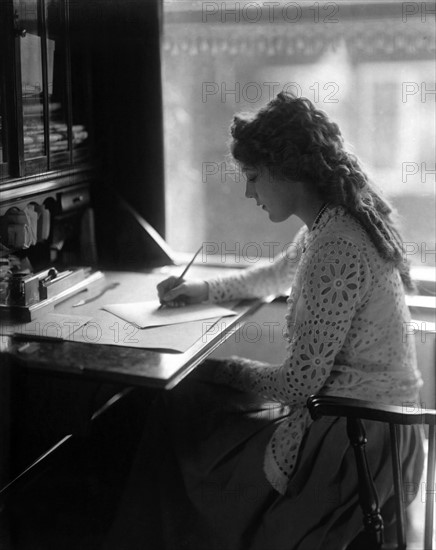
333, 283
261, 281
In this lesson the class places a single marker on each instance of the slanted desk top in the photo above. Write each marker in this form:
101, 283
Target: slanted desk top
130, 366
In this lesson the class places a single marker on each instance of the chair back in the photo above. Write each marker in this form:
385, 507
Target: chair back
356, 410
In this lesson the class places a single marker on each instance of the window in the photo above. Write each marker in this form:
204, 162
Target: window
370, 66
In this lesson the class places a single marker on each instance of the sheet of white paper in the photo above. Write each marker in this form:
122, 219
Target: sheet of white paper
111, 332
52, 325
147, 314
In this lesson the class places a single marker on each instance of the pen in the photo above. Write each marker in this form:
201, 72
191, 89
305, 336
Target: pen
179, 279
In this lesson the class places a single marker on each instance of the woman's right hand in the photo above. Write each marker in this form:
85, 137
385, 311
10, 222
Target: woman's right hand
175, 293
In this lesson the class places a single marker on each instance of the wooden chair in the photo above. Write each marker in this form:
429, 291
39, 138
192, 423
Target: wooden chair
357, 410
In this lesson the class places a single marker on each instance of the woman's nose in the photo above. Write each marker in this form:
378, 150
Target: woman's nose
249, 190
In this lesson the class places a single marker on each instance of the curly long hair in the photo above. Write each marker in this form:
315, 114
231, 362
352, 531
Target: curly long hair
298, 142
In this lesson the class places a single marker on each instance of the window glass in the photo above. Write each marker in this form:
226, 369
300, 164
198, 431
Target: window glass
372, 70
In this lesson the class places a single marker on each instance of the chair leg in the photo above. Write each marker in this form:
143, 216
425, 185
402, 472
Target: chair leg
372, 519
398, 488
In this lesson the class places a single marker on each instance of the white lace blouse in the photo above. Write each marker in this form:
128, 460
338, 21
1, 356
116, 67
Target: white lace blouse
346, 327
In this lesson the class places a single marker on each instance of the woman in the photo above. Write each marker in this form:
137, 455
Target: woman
245, 467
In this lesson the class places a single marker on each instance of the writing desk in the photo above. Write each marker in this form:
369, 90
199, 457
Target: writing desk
108, 366
129, 366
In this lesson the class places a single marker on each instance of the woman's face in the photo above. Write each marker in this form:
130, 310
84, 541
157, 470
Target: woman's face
277, 197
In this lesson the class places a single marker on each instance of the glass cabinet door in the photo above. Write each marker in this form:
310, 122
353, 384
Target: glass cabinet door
4, 153
81, 93
45, 82
3, 139
57, 72
44, 110
28, 17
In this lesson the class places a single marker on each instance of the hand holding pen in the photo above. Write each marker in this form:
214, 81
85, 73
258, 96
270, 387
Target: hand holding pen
176, 292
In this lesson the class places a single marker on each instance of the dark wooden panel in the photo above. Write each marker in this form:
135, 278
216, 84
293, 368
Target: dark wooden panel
123, 39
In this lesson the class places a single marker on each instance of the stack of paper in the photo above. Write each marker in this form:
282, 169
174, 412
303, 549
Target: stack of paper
148, 314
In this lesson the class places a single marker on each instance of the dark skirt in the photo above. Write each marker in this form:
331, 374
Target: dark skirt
198, 481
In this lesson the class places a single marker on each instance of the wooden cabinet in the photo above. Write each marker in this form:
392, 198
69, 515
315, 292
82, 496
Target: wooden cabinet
41, 131
81, 104
45, 124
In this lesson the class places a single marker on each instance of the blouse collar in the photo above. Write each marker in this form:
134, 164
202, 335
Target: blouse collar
327, 212
331, 211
